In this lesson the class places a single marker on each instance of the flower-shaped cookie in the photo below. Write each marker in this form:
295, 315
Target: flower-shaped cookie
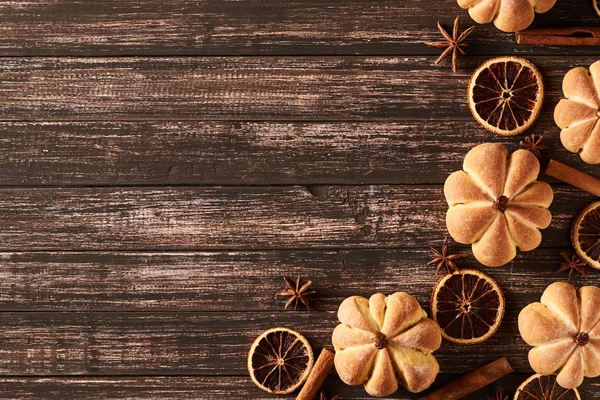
565, 330
508, 15
577, 115
496, 204
386, 341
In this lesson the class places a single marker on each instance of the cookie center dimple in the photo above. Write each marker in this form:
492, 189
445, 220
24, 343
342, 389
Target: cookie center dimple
380, 341
582, 338
500, 203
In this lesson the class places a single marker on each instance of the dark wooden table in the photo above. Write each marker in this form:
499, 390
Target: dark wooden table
166, 163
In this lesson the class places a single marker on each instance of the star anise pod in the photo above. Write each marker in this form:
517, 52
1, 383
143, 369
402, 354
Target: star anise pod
298, 292
453, 44
499, 395
322, 396
571, 262
533, 143
443, 259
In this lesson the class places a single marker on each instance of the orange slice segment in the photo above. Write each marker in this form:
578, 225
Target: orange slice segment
505, 95
585, 235
468, 305
544, 387
280, 360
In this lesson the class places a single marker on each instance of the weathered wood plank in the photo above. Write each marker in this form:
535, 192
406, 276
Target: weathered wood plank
216, 281
241, 153
251, 88
174, 343
210, 388
239, 217
215, 27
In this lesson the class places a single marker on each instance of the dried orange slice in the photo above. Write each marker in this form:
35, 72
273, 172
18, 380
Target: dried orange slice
539, 387
505, 95
468, 305
280, 360
585, 235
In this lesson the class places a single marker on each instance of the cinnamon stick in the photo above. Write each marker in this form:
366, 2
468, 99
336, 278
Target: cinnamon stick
472, 381
587, 36
317, 375
573, 177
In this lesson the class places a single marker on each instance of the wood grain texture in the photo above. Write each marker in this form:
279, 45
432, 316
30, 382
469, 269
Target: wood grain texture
259, 217
216, 27
246, 153
329, 88
191, 343
217, 281
210, 388
153, 285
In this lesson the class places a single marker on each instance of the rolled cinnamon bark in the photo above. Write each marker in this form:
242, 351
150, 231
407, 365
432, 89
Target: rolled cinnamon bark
587, 36
573, 177
472, 381
317, 375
